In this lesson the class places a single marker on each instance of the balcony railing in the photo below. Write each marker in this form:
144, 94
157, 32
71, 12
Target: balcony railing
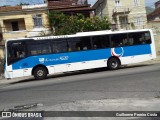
121, 9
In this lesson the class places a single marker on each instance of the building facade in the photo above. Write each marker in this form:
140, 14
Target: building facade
70, 7
154, 19
155, 15
22, 21
123, 14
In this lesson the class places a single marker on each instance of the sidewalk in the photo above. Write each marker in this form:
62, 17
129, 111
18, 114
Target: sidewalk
4, 81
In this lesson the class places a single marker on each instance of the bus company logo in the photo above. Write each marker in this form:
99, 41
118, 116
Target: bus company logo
41, 60
64, 58
118, 52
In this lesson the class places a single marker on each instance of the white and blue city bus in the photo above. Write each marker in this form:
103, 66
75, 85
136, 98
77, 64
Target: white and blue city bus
41, 56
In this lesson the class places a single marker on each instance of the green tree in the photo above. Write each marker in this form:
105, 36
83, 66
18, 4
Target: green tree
64, 24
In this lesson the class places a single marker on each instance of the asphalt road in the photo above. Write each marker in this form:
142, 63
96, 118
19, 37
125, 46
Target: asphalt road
141, 81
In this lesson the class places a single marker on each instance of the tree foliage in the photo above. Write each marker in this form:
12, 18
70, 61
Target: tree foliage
21, 4
65, 24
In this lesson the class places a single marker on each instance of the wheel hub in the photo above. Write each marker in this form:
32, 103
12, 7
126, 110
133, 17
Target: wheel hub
114, 64
40, 73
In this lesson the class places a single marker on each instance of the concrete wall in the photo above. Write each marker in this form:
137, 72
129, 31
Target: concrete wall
1, 53
157, 39
157, 42
155, 26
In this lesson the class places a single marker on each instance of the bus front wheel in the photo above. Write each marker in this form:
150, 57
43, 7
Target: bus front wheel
40, 73
113, 63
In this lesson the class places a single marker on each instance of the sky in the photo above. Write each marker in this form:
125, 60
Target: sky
15, 2
149, 3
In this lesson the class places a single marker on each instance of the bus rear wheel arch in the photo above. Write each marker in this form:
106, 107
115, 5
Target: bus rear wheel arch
40, 72
113, 63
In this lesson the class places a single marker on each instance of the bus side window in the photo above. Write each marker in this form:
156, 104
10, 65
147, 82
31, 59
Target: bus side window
39, 47
85, 48
142, 39
137, 38
79, 43
105, 41
101, 41
55, 49
21, 54
78, 48
85, 43
130, 41
94, 46
60, 46
97, 42
148, 38
46, 49
73, 44
118, 40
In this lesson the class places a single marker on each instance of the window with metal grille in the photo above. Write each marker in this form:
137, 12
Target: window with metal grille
117, 3
37, 19
136, 2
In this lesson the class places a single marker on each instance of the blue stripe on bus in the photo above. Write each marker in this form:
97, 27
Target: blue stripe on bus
63, 58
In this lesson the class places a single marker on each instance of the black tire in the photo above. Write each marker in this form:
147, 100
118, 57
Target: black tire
113, 63
40, 73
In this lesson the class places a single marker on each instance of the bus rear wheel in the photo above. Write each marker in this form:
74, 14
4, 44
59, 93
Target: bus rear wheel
113, 63
40, 73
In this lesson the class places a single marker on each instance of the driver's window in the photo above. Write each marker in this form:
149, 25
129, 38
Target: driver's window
16, 51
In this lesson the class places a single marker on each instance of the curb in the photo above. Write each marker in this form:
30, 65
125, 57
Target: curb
5, 81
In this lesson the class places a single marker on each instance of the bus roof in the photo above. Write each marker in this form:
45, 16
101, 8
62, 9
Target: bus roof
91, 33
